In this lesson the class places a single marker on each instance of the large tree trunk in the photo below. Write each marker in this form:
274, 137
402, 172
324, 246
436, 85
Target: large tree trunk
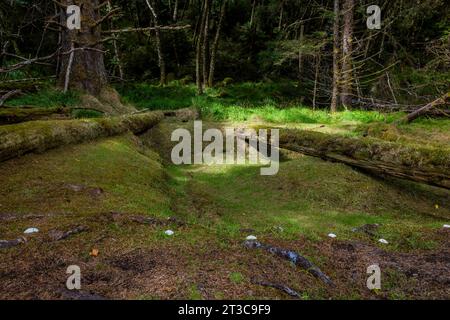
347, 48
86, 70
212, 65
161, 60
336, 69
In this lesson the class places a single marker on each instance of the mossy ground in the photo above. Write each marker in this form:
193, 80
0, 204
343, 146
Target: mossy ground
103, 184
219, 206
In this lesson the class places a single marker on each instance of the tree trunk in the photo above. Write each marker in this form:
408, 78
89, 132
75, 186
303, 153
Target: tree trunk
347, 48
205, 45
87, 70
336, 47
198, 53
300, 54
116, 49
175, 11
161, 60
316, 79
212, 65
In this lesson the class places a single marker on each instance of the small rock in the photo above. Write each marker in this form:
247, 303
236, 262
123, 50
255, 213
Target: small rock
31, 230
332, 235
383, 241
251, 238
169, 232
446, 226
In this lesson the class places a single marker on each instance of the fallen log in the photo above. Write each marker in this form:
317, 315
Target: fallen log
421, 164
38, 136
445, 100
294, 257
13, 115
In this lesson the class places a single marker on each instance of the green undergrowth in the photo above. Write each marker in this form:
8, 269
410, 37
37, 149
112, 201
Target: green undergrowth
47, 98
308, 197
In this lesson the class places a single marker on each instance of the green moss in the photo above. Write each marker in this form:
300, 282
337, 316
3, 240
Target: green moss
26, 137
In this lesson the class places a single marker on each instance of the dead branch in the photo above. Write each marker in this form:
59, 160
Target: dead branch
26, 62
69, 68
8, 95
109, 15
147, 29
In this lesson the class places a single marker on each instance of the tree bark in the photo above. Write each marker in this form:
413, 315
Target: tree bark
336, 55
300, 54
198, 52
87, 71
347, 48
212, 65
205, 45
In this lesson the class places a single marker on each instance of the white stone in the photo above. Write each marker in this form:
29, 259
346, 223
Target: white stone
383, 241
251, 238
447, 226
332, 235
31, 230
169, 232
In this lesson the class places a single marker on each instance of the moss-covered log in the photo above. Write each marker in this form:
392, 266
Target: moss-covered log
12, 115
420, 164
38, 136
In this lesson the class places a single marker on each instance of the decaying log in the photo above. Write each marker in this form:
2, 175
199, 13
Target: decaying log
294, 257
38, 136
12, 115
421, 164
445, 100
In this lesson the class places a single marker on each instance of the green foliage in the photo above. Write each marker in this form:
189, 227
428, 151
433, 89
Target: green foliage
236, 277
47, 98
86, 113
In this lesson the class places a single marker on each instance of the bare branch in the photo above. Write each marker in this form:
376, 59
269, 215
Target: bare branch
171, 28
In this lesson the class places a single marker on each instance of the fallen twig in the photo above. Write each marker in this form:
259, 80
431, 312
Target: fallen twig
280, 287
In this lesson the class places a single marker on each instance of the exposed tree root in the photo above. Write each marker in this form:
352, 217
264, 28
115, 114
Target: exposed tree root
294, 257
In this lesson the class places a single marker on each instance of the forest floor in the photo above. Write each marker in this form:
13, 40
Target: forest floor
126, 195
119, 195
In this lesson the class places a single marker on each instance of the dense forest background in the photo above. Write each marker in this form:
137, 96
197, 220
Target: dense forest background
406, 62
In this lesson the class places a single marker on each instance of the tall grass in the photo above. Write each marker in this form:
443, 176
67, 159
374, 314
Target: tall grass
47, 98
272, 102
